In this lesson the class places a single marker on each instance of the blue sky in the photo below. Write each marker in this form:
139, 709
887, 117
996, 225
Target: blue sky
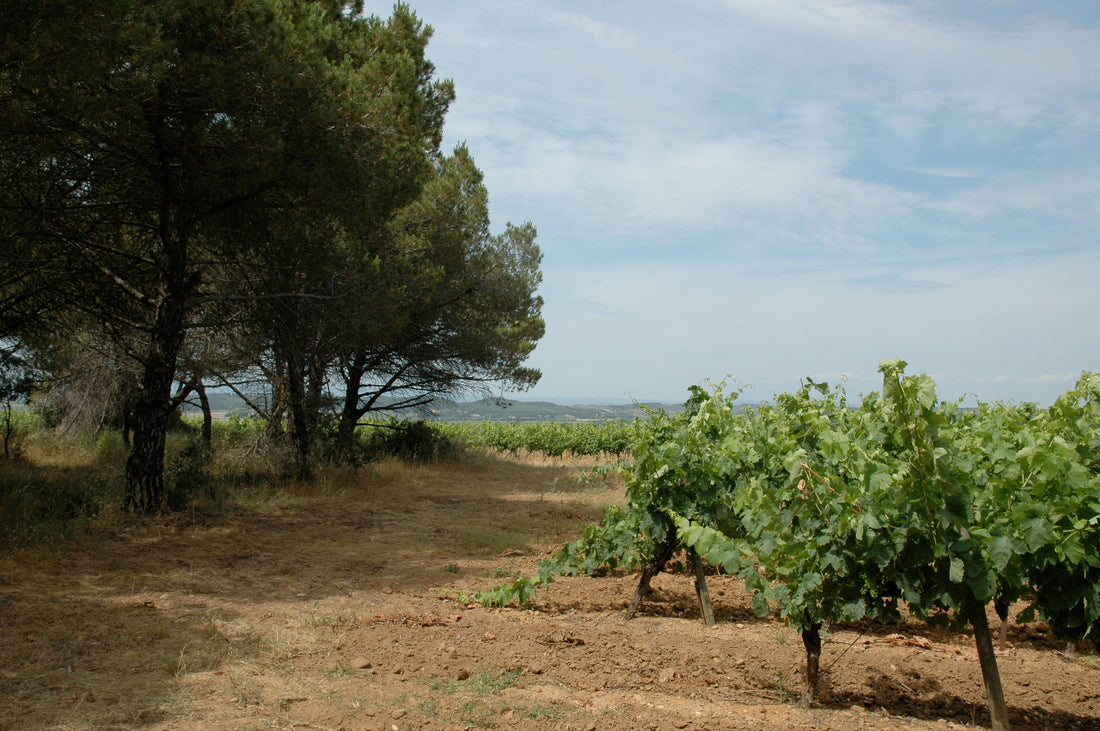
774, 189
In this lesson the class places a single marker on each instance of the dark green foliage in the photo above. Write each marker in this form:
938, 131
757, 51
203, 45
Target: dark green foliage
249, 191
46, 505
417, 441
160, 160
187, 476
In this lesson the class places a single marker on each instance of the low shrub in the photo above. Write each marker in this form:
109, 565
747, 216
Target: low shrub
188, 482
417, 441
46, 505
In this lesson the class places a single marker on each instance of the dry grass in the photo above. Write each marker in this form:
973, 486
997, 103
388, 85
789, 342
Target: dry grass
160, 623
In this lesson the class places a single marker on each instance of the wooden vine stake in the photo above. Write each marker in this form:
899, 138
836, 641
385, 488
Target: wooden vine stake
987, 657
657, 565
701, 588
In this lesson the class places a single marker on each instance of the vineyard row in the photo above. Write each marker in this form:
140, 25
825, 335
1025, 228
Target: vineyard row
830, 511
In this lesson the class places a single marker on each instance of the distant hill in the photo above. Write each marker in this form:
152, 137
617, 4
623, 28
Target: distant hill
490, 409
223, 404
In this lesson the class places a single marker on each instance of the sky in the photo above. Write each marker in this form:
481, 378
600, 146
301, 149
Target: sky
760, 191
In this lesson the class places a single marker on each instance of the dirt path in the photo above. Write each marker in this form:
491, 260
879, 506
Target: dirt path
340, 610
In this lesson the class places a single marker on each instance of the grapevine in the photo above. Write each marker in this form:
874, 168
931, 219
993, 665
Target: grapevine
834, 511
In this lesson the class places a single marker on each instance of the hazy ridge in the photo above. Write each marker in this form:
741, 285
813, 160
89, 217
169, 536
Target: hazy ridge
487, 409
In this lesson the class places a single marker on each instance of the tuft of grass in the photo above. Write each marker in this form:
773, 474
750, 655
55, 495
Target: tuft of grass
340, 669
492, 682
245, 692
178, 665
482, 706
484, 682
507, 572
540, 712
444, 686
478, 714
494, 541
330, 621
428, 709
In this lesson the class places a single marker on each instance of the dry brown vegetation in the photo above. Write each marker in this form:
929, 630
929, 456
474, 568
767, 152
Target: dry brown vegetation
336, 605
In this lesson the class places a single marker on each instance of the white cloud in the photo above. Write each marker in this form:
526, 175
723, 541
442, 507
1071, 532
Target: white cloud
1066, 379
794, 187
582, 23
1069, 194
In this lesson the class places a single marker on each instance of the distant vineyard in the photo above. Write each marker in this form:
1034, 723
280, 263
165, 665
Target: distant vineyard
612, 437
552, 438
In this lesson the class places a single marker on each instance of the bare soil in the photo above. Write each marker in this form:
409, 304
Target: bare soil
339, 608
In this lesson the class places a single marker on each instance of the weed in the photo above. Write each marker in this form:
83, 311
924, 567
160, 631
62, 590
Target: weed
507, 572
485, 682
187, 478
246, 693
340, 669
494, 540
178, 665
785, 696
330, 621
538, 712
417, 441
428, 709
478, 714
451, 568
444, 686
489, 682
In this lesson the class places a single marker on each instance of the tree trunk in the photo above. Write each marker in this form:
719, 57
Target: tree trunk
987, 657
7, 428
350, 413
145, 493
315, 391
128, 421
299, 421
811, 640
207, 416
275, 429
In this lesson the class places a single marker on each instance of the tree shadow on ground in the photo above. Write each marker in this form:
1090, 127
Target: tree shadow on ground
928, 701
100, 630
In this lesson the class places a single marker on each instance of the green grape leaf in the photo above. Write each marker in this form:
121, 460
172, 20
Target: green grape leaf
1072, 549
1000, 552
760, 605
1037, 533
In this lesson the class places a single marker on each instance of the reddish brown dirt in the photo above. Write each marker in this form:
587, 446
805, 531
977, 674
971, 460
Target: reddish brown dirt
339, 610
